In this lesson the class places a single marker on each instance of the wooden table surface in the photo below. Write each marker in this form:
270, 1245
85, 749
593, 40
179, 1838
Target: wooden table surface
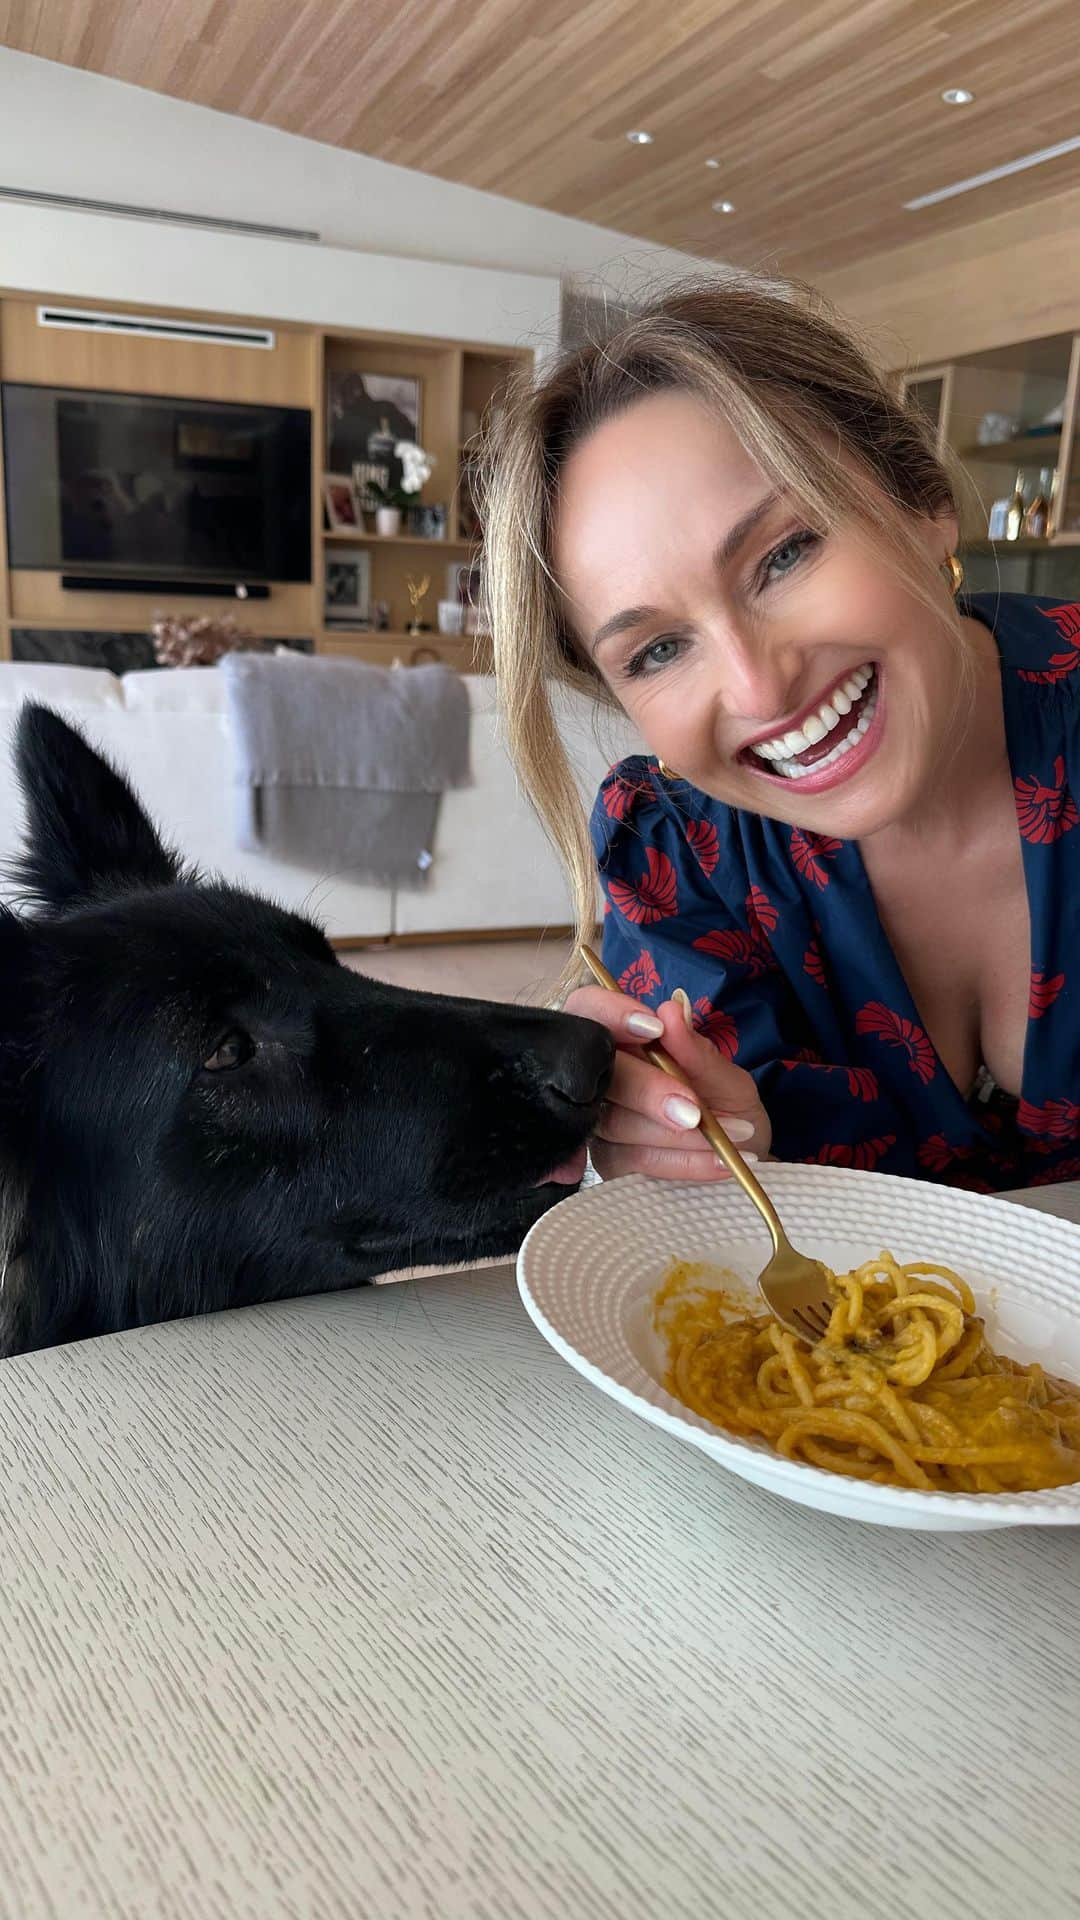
369, 1606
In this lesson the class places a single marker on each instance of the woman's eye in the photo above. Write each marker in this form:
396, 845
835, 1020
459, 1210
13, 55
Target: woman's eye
231, 1051
659, 654
785, 558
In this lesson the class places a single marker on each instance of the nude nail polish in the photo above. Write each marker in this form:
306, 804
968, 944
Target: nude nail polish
682, 998
646, 1025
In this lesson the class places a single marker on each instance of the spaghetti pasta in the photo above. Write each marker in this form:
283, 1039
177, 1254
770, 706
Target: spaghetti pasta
904, 1388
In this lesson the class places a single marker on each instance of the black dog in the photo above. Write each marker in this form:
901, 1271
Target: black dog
199, 1107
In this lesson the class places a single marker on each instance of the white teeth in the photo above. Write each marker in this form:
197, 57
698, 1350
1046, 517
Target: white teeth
814, 729
791, 769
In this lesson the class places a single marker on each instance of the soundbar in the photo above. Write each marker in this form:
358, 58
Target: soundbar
192, 589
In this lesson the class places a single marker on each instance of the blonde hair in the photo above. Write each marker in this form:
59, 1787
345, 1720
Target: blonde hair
805, 401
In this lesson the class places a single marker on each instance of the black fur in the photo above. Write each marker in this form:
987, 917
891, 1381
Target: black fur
345, 1129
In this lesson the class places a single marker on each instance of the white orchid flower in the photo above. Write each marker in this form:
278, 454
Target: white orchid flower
417, 465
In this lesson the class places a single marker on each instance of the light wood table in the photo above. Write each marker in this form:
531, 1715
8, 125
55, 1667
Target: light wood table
369, 1606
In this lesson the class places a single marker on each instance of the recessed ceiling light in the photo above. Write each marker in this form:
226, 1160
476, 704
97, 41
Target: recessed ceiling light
957, 97
640, 139
712, 163
723, 206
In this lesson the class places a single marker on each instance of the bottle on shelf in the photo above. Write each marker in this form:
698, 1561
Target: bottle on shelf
1014, 519
1037, 513
999, 517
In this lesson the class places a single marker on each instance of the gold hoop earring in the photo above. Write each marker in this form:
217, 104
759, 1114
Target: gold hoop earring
954, 571
663, 768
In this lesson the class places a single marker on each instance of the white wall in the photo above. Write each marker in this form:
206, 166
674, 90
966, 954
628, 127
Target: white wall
403, 251
100, 258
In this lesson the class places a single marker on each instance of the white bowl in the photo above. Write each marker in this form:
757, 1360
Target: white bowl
589, 1269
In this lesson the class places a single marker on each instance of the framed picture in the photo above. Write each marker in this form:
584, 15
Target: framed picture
347, 593
365, 406
339, 501
366, 474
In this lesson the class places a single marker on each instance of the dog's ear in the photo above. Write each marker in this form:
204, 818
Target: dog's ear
86, 833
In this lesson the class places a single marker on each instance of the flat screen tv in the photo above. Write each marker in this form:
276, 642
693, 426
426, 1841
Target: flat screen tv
117, 486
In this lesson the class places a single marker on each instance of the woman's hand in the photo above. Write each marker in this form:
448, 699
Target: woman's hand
649, 1123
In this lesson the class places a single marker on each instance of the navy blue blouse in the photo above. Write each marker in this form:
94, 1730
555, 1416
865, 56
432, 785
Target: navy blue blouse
774, 934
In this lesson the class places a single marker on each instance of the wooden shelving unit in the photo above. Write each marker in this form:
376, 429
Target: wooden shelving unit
457, 378
393, 540
1016, 546
1025, 381
1030, 450
467, 653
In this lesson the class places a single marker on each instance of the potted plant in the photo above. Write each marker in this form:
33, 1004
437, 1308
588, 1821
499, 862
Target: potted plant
416, 467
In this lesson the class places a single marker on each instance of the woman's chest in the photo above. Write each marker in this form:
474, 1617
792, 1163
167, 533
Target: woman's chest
960, 931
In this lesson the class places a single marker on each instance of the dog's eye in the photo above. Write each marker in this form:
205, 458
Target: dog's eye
231, 1051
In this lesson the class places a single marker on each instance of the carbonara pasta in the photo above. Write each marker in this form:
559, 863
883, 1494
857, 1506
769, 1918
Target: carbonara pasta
903, 1389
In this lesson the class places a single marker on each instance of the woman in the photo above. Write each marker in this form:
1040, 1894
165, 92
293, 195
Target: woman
845, 880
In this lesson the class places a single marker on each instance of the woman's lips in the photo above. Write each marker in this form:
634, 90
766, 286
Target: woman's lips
838, 770
859, 674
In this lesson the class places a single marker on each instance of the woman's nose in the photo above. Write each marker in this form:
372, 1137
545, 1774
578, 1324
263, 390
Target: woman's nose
757, 680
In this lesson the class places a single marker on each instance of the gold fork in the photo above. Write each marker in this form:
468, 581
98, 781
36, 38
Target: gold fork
795, 1287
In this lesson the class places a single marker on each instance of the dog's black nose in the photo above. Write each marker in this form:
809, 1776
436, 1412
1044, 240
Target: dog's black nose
573, 1059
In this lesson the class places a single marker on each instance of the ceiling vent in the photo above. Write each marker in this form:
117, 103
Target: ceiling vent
146, 326
72, 203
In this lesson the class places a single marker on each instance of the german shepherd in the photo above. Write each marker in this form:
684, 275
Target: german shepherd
200, 1107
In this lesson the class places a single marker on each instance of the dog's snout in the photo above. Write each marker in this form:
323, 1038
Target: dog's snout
575, 1061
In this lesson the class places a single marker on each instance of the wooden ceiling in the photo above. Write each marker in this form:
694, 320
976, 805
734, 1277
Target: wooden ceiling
825, 116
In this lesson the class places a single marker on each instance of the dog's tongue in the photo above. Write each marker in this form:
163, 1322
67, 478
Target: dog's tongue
568, 1173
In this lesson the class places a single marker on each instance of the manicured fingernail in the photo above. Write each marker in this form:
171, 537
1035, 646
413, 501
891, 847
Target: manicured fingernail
737, 1129
683, 1112
647, 1024
683, 1000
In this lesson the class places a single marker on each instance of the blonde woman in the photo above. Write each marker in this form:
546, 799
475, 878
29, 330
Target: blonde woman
844, 884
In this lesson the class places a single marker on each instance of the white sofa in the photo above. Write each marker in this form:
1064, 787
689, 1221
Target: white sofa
493, 868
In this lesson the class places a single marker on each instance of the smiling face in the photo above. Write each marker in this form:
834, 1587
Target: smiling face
778, 669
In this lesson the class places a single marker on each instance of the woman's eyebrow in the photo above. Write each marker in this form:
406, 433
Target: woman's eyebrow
631, 617
623, 622
734, 537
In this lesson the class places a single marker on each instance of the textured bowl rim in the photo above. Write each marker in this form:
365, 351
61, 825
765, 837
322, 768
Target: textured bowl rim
1047, 1507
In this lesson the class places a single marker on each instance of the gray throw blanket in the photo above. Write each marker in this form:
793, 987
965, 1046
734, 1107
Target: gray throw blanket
339, 765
